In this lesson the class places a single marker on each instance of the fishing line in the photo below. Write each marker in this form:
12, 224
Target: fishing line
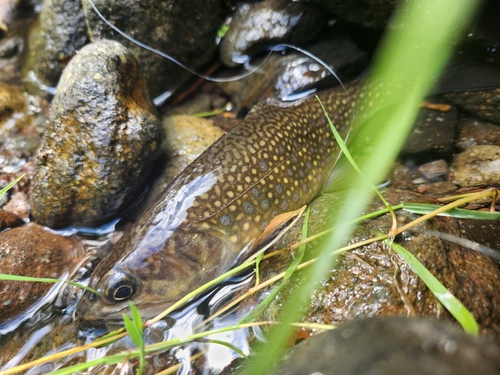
280, 47
275, 48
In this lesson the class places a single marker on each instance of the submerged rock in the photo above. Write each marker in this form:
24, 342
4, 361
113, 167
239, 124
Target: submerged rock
32, 251
101, 142
255, 26
393, 346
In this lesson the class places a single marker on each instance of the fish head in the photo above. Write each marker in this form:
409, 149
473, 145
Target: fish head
154, 274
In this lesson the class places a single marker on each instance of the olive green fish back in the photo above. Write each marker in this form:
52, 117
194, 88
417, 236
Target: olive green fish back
276, 160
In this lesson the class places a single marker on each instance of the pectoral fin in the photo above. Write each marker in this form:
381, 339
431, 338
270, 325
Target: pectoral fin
273, 232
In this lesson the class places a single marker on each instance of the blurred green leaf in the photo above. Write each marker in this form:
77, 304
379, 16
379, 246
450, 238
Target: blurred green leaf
420, 39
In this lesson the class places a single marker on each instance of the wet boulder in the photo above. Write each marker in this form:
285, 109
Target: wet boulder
101, 142
31, 250
295, 75
392, 346
183, 29
56, 37
433, 131
475, 132
255, 26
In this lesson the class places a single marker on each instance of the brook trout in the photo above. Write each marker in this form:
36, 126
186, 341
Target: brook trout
274, 161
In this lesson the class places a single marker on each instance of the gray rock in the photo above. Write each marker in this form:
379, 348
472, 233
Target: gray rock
101, 142
433, 131
484, 104
391, 346
59, 33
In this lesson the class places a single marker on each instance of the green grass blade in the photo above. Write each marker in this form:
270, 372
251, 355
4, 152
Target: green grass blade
9, 186
449, 301
136, 316
349, 157
80, 367
132, 330
4, 276
257, 267
460, 213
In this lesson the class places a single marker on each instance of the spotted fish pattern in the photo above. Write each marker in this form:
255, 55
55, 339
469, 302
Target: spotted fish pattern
274, 161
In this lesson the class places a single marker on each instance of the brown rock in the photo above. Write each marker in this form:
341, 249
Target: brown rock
9, 220
19, 205
475, 132
31, 251
101, 142
435, 170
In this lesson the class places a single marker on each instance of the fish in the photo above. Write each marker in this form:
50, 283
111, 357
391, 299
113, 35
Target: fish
274, 161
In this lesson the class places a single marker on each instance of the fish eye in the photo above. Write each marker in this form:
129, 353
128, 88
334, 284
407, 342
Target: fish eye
121, 291
120, 287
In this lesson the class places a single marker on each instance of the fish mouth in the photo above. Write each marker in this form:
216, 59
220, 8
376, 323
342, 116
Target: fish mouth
97, 313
